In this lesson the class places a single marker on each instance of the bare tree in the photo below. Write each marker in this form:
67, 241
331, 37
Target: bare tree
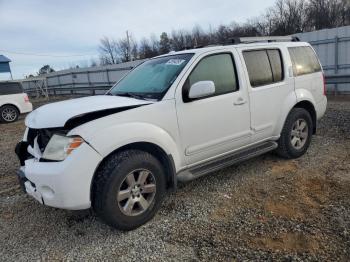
108, 51
199, 37
46, 69
327, 13
127, 49
93, 62
134, 51
145, 50
222, 34
178, 40
164, 43
155, 45
345, 13
123, 50
285, 17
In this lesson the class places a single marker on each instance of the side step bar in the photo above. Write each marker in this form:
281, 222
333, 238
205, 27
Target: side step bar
225, 161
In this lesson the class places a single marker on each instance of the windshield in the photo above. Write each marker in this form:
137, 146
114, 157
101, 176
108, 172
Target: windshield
151, 79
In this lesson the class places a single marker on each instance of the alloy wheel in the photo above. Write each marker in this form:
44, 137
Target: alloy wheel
299, 134
9, 114
136, 192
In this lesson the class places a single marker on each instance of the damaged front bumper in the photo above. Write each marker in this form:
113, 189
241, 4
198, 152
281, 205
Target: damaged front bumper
28, 187
64, 184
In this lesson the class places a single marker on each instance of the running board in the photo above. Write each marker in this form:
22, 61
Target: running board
225, 161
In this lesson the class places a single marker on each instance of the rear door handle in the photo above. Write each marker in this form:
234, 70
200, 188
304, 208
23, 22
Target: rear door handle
240, 101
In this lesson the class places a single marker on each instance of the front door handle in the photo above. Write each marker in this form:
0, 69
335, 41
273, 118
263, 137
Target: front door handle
240, 101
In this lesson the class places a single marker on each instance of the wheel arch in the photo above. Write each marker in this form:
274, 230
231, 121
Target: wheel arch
11, 104
165, 159
299, 99
308, 106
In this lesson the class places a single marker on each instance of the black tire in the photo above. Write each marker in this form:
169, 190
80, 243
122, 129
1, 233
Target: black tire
11, 109
285, 146
111, 176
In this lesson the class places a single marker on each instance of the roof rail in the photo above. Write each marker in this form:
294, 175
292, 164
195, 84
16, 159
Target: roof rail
248, 40
268, 39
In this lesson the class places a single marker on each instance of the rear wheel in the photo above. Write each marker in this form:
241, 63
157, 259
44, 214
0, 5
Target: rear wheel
296, 134
8, 114
128, 189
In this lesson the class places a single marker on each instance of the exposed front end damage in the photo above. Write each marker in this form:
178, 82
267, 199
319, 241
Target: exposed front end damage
62, 184
35, 142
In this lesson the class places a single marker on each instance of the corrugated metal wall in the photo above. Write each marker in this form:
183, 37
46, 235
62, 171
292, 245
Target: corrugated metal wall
80, 78
333, 49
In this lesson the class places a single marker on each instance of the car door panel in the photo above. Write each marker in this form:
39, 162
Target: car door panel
215, 125
265, 105
266, 97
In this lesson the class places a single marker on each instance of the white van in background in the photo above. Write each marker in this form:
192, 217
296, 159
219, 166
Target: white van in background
13, 102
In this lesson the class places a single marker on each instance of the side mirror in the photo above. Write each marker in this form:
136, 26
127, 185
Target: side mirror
201, 89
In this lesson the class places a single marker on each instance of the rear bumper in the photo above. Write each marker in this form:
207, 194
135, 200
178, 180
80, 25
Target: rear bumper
64, 184
321, 107
26, 108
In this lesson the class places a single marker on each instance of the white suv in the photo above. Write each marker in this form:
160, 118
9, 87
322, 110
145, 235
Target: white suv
13, 102
173, 118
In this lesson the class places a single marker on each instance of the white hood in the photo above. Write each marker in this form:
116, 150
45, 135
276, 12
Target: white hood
57, 114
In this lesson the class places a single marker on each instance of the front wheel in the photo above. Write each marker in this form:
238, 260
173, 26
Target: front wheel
128, 189
296, 134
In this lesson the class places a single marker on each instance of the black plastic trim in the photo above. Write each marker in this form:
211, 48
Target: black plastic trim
173, 177
48, 160
21, 151
87, 117
21, 180
225, 161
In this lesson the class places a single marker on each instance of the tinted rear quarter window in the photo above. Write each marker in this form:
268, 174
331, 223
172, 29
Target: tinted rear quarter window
264, 66
10, 88
304, 60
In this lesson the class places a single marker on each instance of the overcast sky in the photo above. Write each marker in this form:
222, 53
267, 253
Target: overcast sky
69, 28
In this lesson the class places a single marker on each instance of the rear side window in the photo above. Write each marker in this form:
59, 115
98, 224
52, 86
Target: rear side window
304, 60
10, 88
276, 64
217, 68
264, 66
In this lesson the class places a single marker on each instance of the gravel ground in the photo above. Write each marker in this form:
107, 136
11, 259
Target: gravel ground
264, 209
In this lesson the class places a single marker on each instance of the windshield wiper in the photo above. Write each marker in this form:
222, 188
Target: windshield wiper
130, 94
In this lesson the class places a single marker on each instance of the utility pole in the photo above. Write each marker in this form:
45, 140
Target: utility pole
127, 38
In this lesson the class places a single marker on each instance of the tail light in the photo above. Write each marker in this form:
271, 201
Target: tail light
26, 98
324, 85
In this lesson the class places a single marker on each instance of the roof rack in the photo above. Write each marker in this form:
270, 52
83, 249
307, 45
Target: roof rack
268, 39
249, 40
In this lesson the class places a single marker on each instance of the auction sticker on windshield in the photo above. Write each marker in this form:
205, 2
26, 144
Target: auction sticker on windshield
175, 62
